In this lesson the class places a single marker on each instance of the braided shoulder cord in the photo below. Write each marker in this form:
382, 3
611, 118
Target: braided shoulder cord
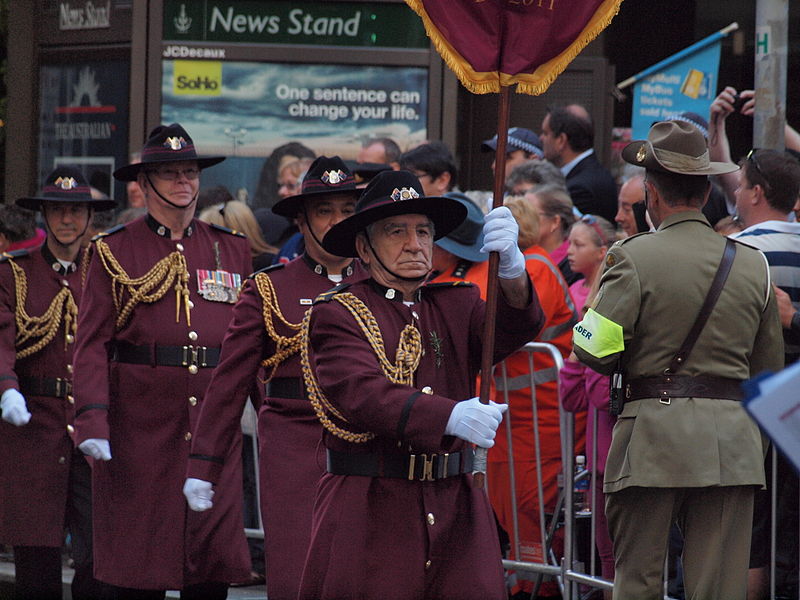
286, 346
408, 355
150, 287
41, 329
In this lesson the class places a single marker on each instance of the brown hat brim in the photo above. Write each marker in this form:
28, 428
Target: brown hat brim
446, 214
642, 154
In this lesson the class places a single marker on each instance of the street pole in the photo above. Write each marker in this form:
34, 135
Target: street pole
772, 34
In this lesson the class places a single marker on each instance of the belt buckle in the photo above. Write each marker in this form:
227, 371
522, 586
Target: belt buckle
194, 356
63, 387
427, 467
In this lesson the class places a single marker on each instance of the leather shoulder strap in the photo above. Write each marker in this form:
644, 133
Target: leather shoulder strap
708, 305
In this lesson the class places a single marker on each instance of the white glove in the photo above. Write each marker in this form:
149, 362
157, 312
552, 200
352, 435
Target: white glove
476, 422
96, 448
500, 234
198, 494
14, 409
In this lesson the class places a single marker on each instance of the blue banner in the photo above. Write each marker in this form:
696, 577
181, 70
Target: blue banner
686, 81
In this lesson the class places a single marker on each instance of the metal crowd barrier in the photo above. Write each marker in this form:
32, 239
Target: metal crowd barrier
250, 430
565, 569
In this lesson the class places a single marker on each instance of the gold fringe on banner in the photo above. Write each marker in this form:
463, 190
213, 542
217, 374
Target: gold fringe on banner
486, 82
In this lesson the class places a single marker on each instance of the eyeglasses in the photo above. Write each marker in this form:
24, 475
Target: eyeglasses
174, 174
751, 157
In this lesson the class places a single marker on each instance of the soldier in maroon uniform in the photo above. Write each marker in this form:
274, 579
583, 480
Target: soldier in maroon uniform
44, 480
266, 331
159, 295
390, 365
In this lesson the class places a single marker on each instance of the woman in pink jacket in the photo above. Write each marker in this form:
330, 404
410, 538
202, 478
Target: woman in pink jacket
582, 388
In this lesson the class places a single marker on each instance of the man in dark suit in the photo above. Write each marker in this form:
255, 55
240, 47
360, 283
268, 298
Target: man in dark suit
567, 138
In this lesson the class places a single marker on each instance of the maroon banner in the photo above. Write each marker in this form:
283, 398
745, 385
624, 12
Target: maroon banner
494, 43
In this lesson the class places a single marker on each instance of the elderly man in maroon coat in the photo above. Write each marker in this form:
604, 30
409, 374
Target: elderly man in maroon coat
265, 330
390, 365
44, 481
159, 295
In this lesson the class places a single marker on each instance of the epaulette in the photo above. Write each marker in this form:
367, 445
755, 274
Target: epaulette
227, 230
14, 254
108, 232
274, 267
441, 284
326, 296
630, 237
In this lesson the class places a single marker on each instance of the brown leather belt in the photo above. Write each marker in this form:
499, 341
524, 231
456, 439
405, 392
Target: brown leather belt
665, 387
55, 387
165, 356
419, 467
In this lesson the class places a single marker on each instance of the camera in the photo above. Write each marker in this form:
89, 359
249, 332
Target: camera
738, 102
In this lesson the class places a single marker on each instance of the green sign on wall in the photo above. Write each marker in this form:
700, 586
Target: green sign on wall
364, 24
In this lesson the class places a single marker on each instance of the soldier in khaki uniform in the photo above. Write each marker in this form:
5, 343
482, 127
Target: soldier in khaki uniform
683, 449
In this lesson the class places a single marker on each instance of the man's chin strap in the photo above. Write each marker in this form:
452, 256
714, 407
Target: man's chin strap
385, 268
155, 189
50, 233
311, 229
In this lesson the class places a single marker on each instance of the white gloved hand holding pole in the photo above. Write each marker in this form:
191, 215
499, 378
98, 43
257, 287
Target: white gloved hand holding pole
198, 494
500, 234
14, 409
96, 448
476, 422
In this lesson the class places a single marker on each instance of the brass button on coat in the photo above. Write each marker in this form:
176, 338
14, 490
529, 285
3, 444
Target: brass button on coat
431, 519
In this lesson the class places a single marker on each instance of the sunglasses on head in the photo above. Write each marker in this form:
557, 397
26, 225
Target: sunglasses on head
751, 157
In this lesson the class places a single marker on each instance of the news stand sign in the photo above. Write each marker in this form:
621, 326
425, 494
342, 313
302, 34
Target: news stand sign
680, 85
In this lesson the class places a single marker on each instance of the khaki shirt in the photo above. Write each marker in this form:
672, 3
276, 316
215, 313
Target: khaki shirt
653, 287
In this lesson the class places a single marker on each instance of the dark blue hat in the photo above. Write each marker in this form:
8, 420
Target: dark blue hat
466, 240
389, 194
519, 138
65, 184
166, 143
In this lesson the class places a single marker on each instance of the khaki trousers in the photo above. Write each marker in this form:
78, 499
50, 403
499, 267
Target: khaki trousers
716, 525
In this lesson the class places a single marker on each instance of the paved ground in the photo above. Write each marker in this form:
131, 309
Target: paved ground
7, 582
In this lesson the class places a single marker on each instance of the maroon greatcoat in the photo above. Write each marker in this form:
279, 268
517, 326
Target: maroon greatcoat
145, 535
380, 537
291, 459
35, 458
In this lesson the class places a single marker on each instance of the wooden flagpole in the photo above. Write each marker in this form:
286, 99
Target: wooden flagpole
479, 468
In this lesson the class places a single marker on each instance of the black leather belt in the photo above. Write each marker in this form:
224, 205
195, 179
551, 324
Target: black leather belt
419, 467
165, 356
285, 387
55, 387
665, 387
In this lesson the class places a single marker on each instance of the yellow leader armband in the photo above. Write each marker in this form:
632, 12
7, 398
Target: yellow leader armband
598, 335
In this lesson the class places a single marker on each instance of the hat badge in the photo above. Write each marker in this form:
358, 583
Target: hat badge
66, 183
404, 194
641, 153
175, 143
333, 177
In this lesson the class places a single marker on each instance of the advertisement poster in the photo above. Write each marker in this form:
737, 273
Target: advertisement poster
244, 110
686, 84
84, 120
